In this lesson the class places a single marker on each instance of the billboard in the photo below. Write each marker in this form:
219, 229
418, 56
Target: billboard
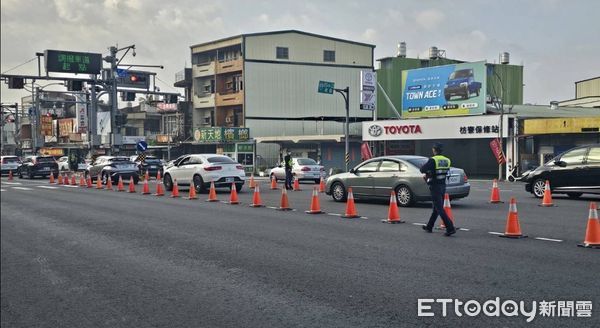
449, 90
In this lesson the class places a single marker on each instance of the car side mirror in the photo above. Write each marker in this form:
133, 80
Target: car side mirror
353, 171
560, 163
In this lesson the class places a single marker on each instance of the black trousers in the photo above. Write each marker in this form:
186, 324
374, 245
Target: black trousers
437, 199
288, 178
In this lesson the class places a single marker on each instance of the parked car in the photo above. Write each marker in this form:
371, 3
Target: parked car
302, 169
574, 172
150, 164
9, 163
461, 83
377, 177
201, 169
38, 166
113, 167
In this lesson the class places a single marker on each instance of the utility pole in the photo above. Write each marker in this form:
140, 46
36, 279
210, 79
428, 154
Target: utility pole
346, 94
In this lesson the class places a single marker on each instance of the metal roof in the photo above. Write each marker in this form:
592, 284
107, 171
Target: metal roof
543, 111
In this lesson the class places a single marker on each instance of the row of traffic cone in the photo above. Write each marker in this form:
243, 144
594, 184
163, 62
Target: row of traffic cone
546, 200
295, 186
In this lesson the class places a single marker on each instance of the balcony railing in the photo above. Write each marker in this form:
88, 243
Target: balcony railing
205, 101
229, 99
205, 69
229, 66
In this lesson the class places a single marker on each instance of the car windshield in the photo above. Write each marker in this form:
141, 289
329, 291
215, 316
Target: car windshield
306, 161
418, 162
45, 160
10, 160
461, 74
221, 160
152, 160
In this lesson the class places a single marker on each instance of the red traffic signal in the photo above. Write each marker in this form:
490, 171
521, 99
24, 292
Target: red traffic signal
133, 78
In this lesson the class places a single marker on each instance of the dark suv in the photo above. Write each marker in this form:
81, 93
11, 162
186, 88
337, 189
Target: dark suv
150, 164
574, 172
38, 166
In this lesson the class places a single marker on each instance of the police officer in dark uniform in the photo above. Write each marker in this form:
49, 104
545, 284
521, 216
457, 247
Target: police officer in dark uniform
436, 170
287, 164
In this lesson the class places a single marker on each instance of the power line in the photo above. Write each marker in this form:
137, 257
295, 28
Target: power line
27, 62
165, 83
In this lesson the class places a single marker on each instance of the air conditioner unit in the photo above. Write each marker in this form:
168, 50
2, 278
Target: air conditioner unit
206, 120
229, 119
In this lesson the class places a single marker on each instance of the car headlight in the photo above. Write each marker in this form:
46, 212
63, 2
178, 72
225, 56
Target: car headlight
464, 84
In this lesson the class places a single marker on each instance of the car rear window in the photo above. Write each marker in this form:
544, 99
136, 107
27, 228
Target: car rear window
306, 161
119, 159
221, 159
418, 162
45, 159
152, 160
10, 160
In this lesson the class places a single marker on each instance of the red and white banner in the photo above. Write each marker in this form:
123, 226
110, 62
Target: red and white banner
365, 151
496, 146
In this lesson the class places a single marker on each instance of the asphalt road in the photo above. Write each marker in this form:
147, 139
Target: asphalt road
77, 257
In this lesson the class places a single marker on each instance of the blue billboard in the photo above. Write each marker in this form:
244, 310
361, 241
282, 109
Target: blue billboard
450, 90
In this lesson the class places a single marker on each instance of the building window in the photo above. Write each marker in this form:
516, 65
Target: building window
282, 53
329, 55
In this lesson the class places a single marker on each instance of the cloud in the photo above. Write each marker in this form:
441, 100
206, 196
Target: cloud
369, 34
263, 18
430, 19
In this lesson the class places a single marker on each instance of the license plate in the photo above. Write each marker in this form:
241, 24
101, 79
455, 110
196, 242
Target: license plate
153, 166
46, 169
229, 179
454, 179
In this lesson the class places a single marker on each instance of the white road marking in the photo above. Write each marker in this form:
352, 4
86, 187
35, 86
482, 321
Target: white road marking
333, 214
495, 233
70, 186
420, 224
549, 239
2, 190
47, 187
464, 229
22, 188
11, 183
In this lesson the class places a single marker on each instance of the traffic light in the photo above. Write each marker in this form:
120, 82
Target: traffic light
74, 85
16, 83
127, 96
133, 79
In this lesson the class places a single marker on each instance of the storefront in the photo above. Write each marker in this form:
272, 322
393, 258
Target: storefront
233, 142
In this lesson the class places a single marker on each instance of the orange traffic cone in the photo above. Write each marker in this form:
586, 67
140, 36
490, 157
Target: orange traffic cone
273, 183
296, 184
131, 185
10, 175
82, 181
159, 187
315, 207
175, 191
212, 193
60, 179
192, 192
109, 183
547, 200
285, 204
448, 210
146, 188
73, 180
513, 228
147, 176
89, 181
393, 212
256, 201
51, 178
66, 180
592, 233
495, 197
233, 198
157, 175
120, 186
252, 183
98, 182
350, 208
322, 185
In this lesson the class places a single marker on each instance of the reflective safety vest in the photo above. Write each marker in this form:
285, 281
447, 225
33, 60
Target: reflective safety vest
442, 166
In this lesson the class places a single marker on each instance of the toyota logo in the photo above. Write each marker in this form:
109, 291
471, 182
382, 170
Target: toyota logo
375, 130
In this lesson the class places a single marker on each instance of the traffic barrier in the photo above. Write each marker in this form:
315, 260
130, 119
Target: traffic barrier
284, 204
10, 175
233, 197
89, 181
120, 186
592, 232
212, 193
393, 211
513, 228
82, 181
52, 178
547, 200
159, 187
252, 183
350, 206
192, 192
175, 191
146, 188
59, 179
109, 183
315, 207
273, 183
296, 184
99, 183
448, 210
131, 185
495, 197
256, 201
322, 185
73, 180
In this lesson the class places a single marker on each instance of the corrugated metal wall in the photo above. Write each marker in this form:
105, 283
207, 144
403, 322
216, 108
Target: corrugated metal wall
588, 88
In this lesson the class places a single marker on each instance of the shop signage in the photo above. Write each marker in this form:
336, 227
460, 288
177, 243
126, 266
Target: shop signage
51, 151
65, 127
46, 125
368, 81
496, 146
466, 127
221, 134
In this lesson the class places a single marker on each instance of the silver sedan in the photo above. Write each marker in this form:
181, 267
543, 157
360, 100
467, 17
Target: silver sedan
377, 177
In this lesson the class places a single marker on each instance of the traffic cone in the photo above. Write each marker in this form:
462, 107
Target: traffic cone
592, 232
120, 186
350, 208
212, 193
159, 187
66, 180
393, 212
296, 184
157, 175
147, 176
108, 183
315, 207
256, 201
89, 181
146, 188
131, 185
495, 197
51, 178
448, 210
59, 179
98, 182
252, 183
175, 191
73, 180
322, 185
273, 183
547, 200
513, 228
233, 198
285, 204
82, 181
192, 192
10, 175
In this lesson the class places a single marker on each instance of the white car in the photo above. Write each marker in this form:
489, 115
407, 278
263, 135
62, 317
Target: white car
10, 163
302, 169
201, 169
63, 163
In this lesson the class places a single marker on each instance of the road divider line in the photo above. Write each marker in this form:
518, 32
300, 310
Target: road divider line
22, 188
2, 190
464, 229
548, 239
47, 187
495, 233
419, 224
11, 183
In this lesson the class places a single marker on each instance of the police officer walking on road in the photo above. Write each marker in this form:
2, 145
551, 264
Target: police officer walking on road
436, 170
287, 162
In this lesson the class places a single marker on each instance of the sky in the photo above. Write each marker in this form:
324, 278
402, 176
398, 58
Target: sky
557, 42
